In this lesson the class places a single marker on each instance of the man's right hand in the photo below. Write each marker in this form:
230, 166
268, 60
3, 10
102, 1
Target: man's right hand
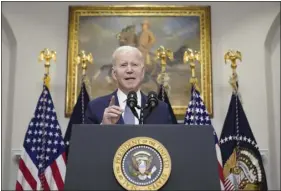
112, 113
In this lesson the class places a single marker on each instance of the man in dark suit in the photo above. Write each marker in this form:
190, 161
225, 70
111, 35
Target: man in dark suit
128, 71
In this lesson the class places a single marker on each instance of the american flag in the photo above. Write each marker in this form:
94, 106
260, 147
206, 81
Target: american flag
197, 114
42, 163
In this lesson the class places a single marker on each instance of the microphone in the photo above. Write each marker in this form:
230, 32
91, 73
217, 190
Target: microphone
151, 103
132, 102
152, 100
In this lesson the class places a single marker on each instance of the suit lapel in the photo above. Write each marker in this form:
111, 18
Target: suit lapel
121, 120
143, 102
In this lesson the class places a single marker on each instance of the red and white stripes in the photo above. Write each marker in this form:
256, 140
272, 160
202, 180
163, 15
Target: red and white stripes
28, 177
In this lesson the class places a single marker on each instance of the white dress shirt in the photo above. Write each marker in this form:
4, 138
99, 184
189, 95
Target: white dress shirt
122, 98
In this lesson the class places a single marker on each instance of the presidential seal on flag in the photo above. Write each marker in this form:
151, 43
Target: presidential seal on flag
142, 163
244, 170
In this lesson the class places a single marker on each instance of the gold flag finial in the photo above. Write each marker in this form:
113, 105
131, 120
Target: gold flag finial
192, 57
84, 59
233, 55
47, 55
163, 78
163, 54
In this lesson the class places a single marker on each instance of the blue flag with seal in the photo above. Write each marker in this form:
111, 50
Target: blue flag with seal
78, 115
162, 95
242, 162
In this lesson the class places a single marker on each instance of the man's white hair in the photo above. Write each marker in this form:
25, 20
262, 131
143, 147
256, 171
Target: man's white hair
123, 49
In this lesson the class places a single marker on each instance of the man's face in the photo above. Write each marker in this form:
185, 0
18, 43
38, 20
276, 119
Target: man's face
144, 26
128, 71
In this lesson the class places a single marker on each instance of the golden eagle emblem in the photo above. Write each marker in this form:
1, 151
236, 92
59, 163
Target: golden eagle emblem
141, 165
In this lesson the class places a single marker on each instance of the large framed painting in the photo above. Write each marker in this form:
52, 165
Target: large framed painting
101, 29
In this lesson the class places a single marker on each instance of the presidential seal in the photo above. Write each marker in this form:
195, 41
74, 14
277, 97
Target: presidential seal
243, 172
142, 163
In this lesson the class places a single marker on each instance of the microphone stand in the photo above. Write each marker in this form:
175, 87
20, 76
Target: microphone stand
141, 118
149, 105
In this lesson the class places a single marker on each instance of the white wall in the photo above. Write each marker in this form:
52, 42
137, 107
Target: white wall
238, 25
9, 53
5, 78
272, 72
275, 60
275, 69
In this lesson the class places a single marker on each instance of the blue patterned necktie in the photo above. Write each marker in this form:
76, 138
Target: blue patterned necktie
129, 117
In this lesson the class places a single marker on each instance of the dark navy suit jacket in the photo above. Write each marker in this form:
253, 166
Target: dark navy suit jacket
96, 107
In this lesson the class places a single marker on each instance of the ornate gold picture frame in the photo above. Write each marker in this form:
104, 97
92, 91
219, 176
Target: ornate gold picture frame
101, 29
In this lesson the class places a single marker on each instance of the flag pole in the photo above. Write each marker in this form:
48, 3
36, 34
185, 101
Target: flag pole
84, 59
197, 113
45, 55
163, 54
163, 78
233, 55
193, 57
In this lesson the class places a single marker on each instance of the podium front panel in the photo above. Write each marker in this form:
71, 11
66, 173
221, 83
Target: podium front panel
191, 148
